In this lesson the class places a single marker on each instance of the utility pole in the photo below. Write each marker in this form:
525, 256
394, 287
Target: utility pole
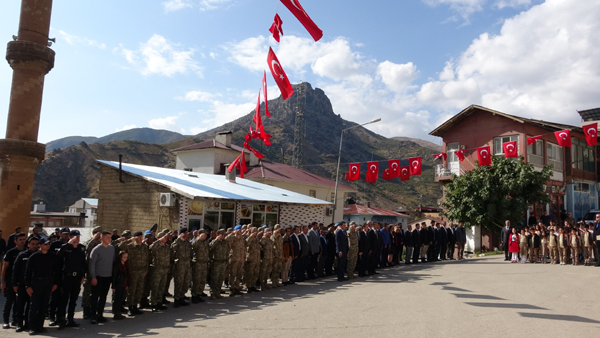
299, 128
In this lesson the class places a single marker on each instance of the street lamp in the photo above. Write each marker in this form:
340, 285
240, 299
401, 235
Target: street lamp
337, 173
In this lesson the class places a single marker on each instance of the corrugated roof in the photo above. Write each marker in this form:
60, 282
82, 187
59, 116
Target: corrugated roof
590, 114
193, 184
210, 144
282, 172
356, 209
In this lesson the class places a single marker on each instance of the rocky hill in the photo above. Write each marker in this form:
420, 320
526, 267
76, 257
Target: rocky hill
71, 173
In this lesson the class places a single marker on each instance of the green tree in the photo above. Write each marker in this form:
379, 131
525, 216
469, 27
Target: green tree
489, 195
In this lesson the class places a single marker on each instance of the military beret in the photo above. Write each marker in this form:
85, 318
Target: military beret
221, 232
74, 233
137, 233
96, 230
237, 227
264, 226
182, 230
126, 234
147, 232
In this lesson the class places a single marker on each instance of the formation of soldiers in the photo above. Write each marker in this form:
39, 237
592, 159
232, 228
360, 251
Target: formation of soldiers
39, 270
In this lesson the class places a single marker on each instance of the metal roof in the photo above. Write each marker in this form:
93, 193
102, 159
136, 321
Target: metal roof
590, 114
210, 144
193, 184
357, 209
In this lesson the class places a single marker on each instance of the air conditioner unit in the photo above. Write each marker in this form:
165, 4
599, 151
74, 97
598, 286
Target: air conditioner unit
167, 199
328, 211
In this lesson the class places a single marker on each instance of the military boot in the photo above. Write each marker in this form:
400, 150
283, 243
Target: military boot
182, 302
137, 311
87, 312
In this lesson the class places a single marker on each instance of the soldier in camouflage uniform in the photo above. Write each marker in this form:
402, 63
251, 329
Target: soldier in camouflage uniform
170, 236
277, 256
219, 254
139, 255
149, 238
352, 250
266, 263
87, 284
252, 265
237, 256
160, 254
182, 252
201, 257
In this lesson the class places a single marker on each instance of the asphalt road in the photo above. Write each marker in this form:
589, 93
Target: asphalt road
472, 298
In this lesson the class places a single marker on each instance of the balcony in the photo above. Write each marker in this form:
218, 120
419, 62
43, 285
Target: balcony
443, 174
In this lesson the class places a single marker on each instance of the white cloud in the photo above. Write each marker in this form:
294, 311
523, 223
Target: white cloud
512, 3
197, 95
166, 123
126, 127
159, 56
206, 5
76, 40
175, 5
397, 77
463, 7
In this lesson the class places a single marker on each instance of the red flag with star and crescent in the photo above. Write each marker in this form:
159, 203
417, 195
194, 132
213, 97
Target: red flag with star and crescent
563, 137
353, 173
300, 14
386, 175
372, 171
460, 154
276, 28
591, 133
239, 163
415, 166
259, 132
279, 75
394, 167
440, 155
510, 149
404, 173
531, 140
484, 156
264, 88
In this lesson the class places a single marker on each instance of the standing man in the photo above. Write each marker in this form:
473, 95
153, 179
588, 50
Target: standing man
363, 252
386, 247
138, 260
87, 284
596, 235
41, 280
417, 244
408, 242
6, 284
160, 254
373, 248
2, 248
219, 254
297, 256
18, 281
451, 240
10, 242
277, 256
400, 247
426, 241
352, 250
55, 297
182, 252
330, 237
252, 266
588, 243
266, 262
443, 241
100, 266
288, 256
305, 248
237, 257
341, 248
504, 235
72, 266
314, 242
461, 239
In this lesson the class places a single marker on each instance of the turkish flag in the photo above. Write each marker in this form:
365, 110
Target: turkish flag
591, 133
239, 163
394, 167
353, 172
563, 137
460, 154
264, 87
510, 149
531, 140
276, 29
386, 175
415, 166
484, 156
279, 75
404, 173
372, 171
300, 14
440, 155
247, 145
259, 132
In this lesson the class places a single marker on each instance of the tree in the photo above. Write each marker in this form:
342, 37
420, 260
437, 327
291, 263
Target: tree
489, 195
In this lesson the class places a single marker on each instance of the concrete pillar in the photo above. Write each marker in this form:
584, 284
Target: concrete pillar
20, 153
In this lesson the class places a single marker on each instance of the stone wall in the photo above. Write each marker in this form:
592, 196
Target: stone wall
132, 205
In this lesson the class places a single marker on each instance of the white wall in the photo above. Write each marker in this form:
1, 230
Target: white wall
473, 239
199, 161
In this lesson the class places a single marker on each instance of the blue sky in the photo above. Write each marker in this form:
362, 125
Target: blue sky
191, 65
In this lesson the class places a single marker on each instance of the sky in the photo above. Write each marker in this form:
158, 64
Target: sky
192, 65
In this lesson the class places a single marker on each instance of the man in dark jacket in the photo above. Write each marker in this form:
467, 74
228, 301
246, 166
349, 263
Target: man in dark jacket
408, 242
373, 246
504, 235
363, 251
443, 241
426, 241
451, 240
417, 244
341, 248
330, 237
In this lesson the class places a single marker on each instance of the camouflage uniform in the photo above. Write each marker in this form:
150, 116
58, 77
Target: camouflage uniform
237, 256
219, 253
139, 255
352, 252
171, 266
277, 259
87, 284
266, 263
252, 266
182, 252
201, 256
161, 260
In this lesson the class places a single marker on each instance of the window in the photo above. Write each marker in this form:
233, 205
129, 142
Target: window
498, 141
312, 193
582, 156
333, 197
581, 187
554, 156
535, 153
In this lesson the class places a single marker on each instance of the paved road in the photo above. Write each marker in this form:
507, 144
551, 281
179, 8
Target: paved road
472, 298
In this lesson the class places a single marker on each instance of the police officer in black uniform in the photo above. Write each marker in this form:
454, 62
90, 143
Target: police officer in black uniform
55, 298
18, 277
6, 280
41, 280
72, 266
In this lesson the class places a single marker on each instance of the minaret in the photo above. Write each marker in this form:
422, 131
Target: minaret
20, 153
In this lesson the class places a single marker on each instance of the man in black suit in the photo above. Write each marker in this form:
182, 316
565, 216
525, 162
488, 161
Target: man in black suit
425, 242
417, 244
305, 252
297, 259
504, 235
400, 246
373, 245
451, 240
443, 241
330, 250
323, 257
433, 239
363, 252
596, 241
408, 242
341, 249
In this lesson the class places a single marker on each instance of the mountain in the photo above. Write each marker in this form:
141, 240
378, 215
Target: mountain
147, 135
420, 142
71, 173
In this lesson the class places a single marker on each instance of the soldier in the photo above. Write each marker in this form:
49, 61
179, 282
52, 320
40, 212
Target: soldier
160, 254
40, 280
352, 250
552, 245
18, 282
171, 236
72, 266
87, 285
277, 256
588, 244
182, 252
7, 278
55, 298
138, 268
266, 263
149, 237
237, 257
562, 246
219, 253
574, 244
201, 258
252, 266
